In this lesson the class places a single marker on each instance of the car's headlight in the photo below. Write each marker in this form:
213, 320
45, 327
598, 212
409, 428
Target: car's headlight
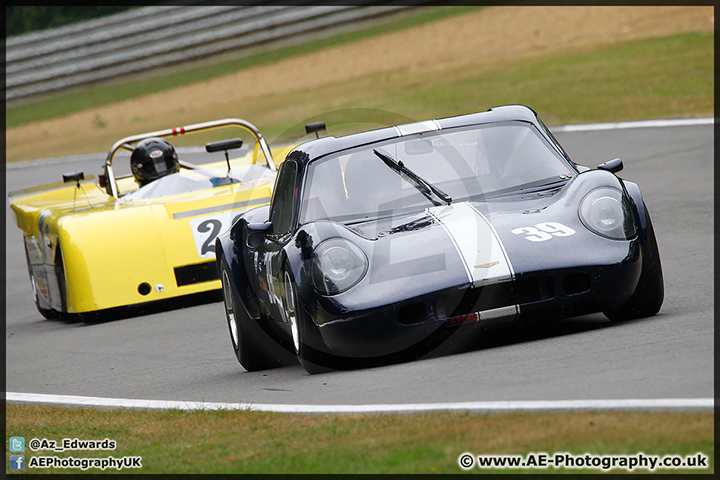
607, 212
338, 265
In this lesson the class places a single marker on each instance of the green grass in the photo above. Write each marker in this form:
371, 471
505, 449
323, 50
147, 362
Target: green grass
646, 79
665, 77
657, 78
257, 442
136, 85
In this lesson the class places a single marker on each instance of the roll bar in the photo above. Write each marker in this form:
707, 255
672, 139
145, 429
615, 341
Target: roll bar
127, 144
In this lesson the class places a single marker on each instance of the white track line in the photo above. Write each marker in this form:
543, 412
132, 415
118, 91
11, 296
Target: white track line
485, 407
680, 122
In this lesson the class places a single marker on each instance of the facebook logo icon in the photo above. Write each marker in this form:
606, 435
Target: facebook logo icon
17, 462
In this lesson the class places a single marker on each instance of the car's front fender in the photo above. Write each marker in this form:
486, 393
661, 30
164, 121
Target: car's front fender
633, 191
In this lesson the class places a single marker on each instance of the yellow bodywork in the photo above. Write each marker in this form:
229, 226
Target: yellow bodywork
89, 251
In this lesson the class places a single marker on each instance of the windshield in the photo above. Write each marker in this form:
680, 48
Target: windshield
185, 181
466, 163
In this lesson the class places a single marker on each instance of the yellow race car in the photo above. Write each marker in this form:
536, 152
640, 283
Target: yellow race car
129, 239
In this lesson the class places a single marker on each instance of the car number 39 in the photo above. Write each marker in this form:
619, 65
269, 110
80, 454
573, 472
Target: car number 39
544, 231
206, 229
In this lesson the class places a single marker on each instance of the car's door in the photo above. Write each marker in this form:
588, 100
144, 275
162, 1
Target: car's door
282, 220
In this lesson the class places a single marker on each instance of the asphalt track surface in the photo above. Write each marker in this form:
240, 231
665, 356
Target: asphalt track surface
185, 354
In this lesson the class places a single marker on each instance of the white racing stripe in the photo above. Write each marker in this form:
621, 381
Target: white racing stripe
489, 406
476, 242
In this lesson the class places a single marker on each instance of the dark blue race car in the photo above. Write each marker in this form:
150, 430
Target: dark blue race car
379, 246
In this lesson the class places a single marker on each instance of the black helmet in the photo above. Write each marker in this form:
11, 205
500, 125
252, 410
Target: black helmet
153, 158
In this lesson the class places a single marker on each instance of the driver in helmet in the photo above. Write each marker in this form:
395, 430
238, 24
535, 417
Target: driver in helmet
153, 158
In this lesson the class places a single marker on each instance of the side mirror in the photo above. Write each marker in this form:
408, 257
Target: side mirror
256, 233
612, 166
315, 128
224, 145
73, 177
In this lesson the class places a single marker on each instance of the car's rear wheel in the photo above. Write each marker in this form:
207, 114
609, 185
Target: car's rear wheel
649, 293
253, 347
48, 313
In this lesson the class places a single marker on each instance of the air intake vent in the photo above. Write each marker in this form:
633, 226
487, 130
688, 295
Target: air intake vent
576, 283
198, 273
488, 297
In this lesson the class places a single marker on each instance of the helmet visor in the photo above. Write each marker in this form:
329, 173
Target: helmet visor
160, 164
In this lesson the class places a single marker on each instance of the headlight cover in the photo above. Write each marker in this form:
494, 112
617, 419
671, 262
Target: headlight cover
607, 212
337, 266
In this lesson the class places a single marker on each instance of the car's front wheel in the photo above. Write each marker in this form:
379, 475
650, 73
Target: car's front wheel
253, 347
311, 360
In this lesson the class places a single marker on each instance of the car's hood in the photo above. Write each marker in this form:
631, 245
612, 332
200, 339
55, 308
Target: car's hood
471, 243
460, 231
495, 241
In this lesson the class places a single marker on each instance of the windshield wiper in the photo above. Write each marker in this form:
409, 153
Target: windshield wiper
529, 187
425, 187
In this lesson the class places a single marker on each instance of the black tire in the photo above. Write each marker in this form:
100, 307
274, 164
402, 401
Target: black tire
649, 293
253, 346
312, 361
49, 313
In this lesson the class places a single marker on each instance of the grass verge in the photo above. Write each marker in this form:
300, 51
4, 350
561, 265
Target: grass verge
656, 78
137, 85
257, 442
645, 79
